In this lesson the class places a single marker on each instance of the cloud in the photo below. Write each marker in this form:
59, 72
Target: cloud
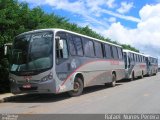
129, 18
125, 7
146, 36
77, 7
95, 7
88, 9
112, 19
96, 4
111, 3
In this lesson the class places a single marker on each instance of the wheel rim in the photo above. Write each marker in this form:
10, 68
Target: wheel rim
114, 81
76, 87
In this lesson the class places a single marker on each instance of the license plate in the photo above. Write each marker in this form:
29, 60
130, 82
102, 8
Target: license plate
27, 86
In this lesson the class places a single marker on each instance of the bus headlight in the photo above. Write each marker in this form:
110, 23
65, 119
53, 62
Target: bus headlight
48, 77
11, 80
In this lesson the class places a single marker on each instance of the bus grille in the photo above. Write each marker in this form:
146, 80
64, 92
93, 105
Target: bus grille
31, 81
27, 89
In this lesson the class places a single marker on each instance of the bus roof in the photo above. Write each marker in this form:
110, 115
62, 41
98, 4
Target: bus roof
56, 30
125, 50
150, 56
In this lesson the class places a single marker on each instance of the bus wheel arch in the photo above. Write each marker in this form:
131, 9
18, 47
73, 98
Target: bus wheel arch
78, 86
79, 75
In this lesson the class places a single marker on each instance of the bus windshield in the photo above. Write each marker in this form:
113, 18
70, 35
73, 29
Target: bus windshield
32, 52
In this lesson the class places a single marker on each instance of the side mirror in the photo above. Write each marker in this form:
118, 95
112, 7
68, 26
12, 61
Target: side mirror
5, 50
57, 38
60, 44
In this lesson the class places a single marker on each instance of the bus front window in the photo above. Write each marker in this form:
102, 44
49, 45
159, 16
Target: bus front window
32, 52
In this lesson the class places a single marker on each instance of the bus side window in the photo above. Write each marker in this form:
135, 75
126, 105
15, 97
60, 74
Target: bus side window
75, 45
63, 51
136, 58
115, 52
132, 56
141, 59
108, 51
125, 59
98, 49
88, 47
120, 53
78, 44
72, 47
61, 48
129, 60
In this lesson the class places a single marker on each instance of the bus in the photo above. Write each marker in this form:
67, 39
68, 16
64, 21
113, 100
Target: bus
152, 65
58, 60
135, 64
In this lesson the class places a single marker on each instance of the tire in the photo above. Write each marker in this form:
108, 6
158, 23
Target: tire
142, 76
78, 88
149, 75
113, 83
155, 73
132, 78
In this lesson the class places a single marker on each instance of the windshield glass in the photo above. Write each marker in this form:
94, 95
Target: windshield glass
32, 52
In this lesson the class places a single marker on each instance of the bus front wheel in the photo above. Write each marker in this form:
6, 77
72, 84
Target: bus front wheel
78, 87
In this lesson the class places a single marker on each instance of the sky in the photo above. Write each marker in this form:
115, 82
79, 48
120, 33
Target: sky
134, 22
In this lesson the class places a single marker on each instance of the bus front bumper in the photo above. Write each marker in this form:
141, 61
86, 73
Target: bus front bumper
41, 87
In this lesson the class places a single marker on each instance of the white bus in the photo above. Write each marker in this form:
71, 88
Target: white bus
135, 64
152, 65
57, 60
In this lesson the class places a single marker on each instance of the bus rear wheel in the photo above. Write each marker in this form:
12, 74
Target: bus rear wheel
78, 87
142, 76
132, 77
113, 83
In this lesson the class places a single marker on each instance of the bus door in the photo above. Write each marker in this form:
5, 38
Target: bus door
131, 63
62, 56
148, 63
129, 60
125, 59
